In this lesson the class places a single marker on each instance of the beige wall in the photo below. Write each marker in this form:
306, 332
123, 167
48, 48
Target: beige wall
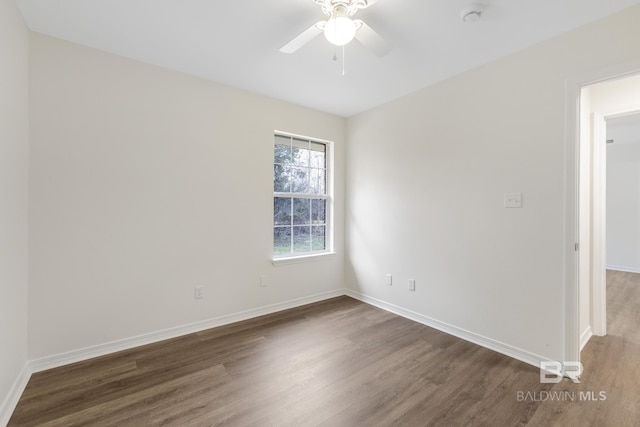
145, 183
616, 97
426, 177
14, 150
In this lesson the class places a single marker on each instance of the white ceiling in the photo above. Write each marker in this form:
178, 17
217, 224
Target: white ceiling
236, 42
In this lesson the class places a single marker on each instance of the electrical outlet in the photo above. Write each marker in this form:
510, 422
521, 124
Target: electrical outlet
388, 279
264, 281
198, 292
412, 284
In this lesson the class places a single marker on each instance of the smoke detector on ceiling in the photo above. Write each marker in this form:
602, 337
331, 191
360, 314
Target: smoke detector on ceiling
472, 13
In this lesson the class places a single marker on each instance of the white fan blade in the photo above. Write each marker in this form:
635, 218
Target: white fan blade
371, 40
305, 37
368, 3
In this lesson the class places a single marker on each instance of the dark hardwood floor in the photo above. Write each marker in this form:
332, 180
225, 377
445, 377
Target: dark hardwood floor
340, 362
612, 365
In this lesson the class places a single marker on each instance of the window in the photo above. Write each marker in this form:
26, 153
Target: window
301, 200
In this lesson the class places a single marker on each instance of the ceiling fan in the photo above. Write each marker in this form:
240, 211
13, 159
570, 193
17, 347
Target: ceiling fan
340, 29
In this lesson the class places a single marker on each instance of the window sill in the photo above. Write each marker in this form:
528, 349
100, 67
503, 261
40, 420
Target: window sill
303, 258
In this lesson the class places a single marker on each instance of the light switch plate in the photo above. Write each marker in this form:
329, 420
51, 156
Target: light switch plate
512, 200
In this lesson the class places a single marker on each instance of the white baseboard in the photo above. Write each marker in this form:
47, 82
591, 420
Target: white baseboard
623, 268
10, 402
585, 337
73, 356
491, 344
57, 360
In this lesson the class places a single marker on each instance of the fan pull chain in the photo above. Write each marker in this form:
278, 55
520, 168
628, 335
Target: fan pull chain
335, 58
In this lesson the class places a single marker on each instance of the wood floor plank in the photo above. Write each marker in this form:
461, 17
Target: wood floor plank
339, 362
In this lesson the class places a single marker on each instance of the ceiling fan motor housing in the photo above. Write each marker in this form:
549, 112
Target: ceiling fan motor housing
348, 7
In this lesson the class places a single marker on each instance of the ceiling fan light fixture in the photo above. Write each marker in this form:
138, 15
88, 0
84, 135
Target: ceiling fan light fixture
340, 29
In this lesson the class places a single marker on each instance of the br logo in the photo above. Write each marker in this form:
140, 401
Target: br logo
552, 372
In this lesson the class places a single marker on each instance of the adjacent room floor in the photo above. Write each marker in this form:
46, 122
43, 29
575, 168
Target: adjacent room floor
341, 362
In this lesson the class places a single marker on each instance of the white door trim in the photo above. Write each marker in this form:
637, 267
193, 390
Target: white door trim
599, 226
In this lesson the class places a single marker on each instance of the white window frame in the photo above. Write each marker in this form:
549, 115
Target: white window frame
290, 258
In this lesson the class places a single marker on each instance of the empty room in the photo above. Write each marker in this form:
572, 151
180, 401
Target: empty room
319, 212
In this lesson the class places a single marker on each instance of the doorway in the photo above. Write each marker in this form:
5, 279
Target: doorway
623, 193
605, 107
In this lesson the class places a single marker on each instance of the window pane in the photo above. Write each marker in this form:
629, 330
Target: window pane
282, 140
317, 183
300, 156
299, 180
282, 154
301, 211
301, 143
318, 211
281, 178
318, 158
281, 240
301, 238
281, 211
318, 240
317, 146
